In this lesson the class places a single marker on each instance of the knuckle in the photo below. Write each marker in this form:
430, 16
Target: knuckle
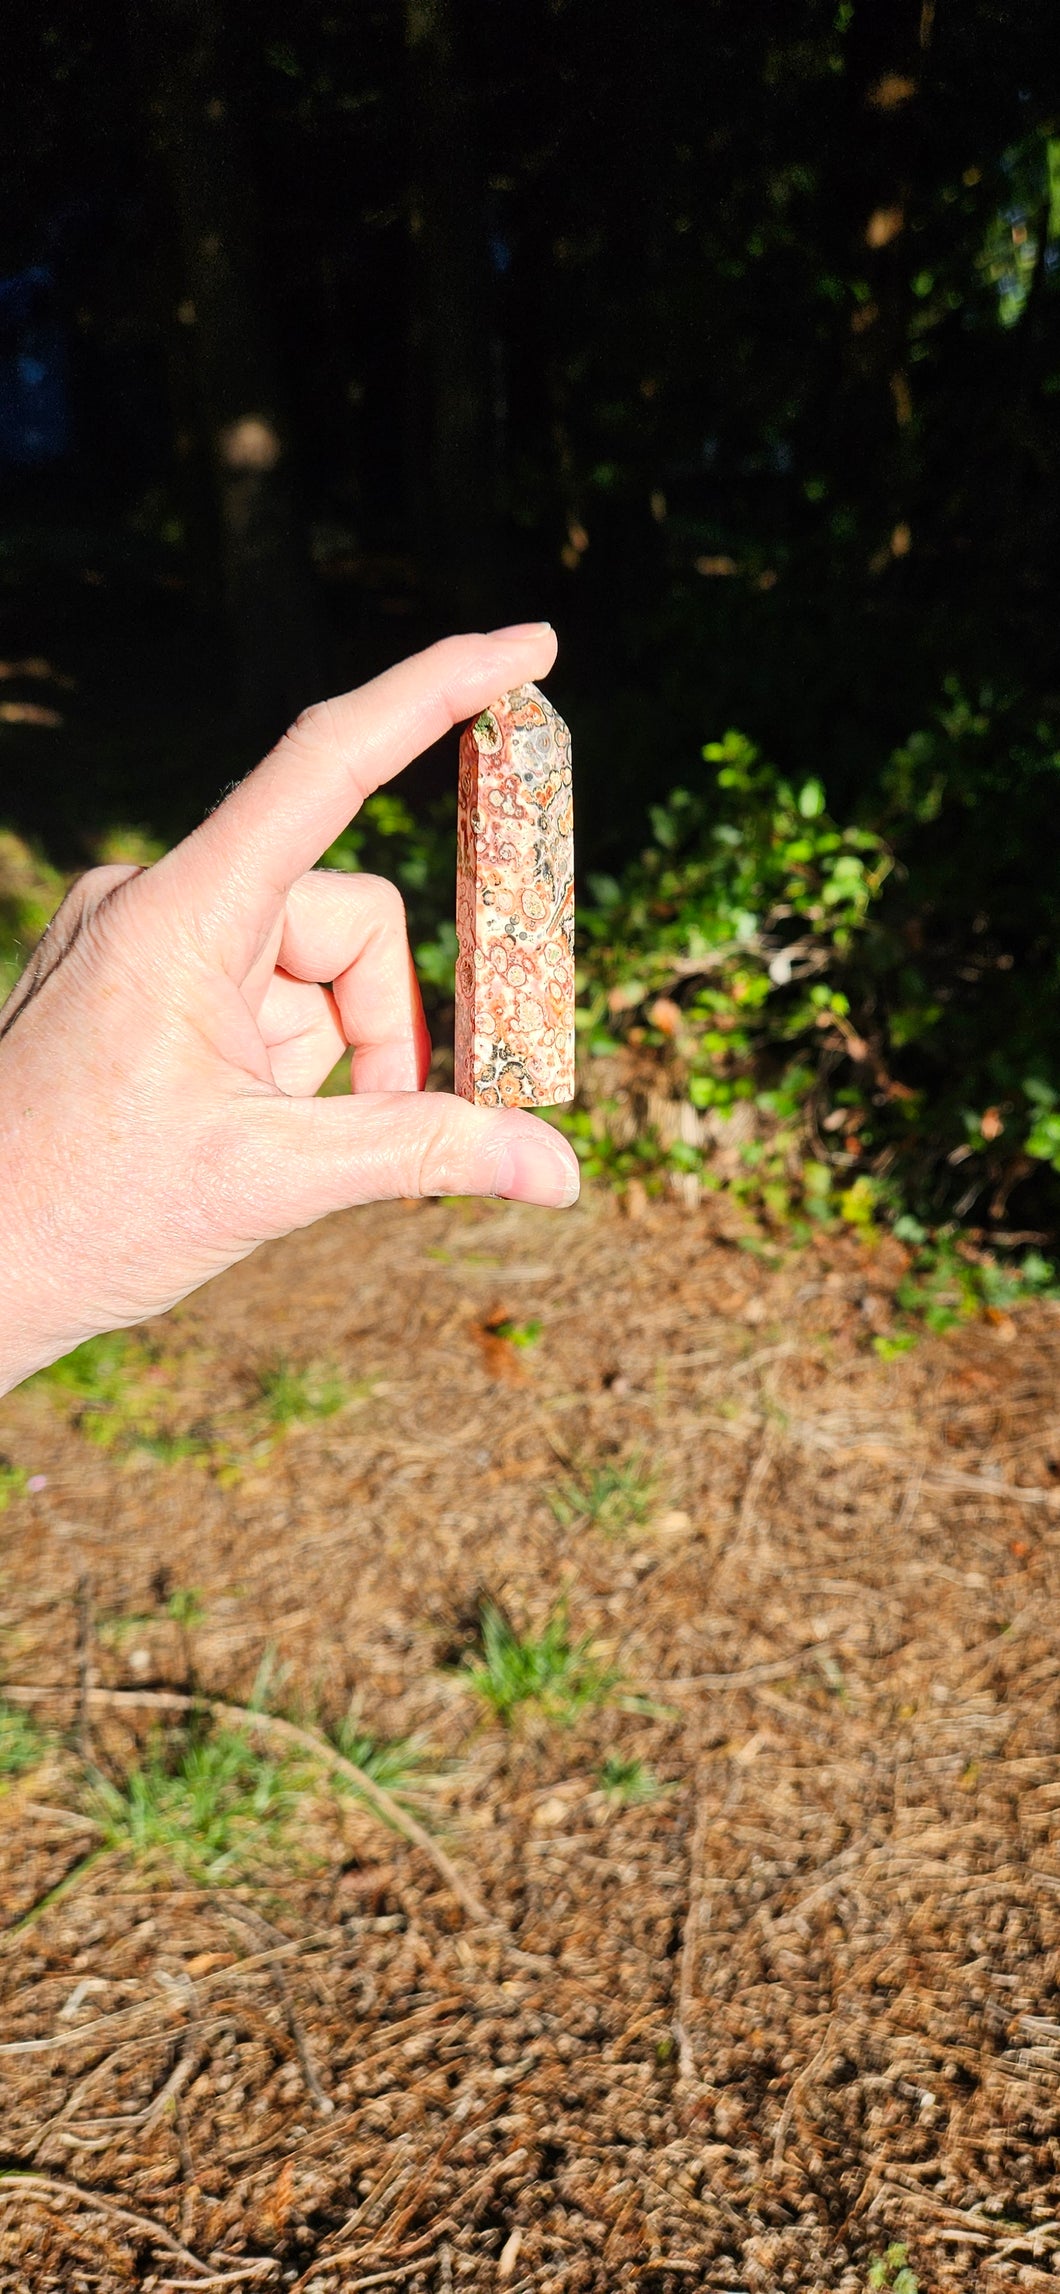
450, 1154
310, 723
386, 899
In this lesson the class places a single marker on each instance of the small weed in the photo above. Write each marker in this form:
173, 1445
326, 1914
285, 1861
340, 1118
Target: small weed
96, 1373
612, 1497
115, 1631
114, 1408
169, 1449
401, 1764
516, 1333
627, 1783
290, 1396
22, 1743
209, 1805
13, 1481
892, 2270
547, 1669
891, 1349
186, 1608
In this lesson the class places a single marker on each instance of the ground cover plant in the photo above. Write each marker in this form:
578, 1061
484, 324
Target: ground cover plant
209, 1804
627, 1780
545, 1670
21, 1744
404, 1765
290, 1396
615, 1496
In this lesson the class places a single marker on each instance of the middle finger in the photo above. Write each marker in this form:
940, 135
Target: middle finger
350, 932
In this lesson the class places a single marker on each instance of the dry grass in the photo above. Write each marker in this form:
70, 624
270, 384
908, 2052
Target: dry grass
751, 2029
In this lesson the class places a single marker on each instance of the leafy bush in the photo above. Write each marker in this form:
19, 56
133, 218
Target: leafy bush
882, 998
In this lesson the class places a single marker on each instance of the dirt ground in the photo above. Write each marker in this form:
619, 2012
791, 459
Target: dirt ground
796, 2007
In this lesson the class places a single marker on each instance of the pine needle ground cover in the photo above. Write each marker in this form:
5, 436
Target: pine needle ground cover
711, 1649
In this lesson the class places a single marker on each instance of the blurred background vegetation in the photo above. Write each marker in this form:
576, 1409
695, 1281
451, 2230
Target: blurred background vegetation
729, 340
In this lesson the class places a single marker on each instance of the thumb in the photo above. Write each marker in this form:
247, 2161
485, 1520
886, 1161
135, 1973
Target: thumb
299, 1159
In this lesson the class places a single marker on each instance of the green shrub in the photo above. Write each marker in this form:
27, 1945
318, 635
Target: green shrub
886, 997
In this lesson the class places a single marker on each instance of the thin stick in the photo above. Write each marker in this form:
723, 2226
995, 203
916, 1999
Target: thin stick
800, 2081
747, 1517
686, 1976
284, 1732
473, 2190
16, 2184
104, 2023
910, 1501
224, 2277
322, 2101
744, 1676
83, 1609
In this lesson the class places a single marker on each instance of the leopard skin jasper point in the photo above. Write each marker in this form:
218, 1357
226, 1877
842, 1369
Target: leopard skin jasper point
515, 906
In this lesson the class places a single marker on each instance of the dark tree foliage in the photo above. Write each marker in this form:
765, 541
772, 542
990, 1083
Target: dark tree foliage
728, 337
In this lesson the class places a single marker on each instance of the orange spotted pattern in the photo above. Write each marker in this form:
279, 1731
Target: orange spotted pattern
515, 907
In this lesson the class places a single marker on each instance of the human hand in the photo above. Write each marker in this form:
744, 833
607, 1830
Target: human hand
160, 1055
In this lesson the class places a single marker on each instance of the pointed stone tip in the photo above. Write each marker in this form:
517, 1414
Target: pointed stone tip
506, 705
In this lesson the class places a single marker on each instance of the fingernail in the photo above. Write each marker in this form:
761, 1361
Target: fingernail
537, 1169
523, 629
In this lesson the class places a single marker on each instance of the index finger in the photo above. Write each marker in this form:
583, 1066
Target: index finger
232, 875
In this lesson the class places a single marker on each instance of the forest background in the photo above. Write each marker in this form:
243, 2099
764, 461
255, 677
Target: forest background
727, 339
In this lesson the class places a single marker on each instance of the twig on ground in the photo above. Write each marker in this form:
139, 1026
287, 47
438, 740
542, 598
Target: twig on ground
802, 2079
747, 1518
321, 2100
471, 2190
62, 2129
83, 1608
302, 1739
67, 1817
224, 2277
744, 1676
107, 2023
910, 1501
381, 2277
16, 2184
686, 1973
882, 1449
